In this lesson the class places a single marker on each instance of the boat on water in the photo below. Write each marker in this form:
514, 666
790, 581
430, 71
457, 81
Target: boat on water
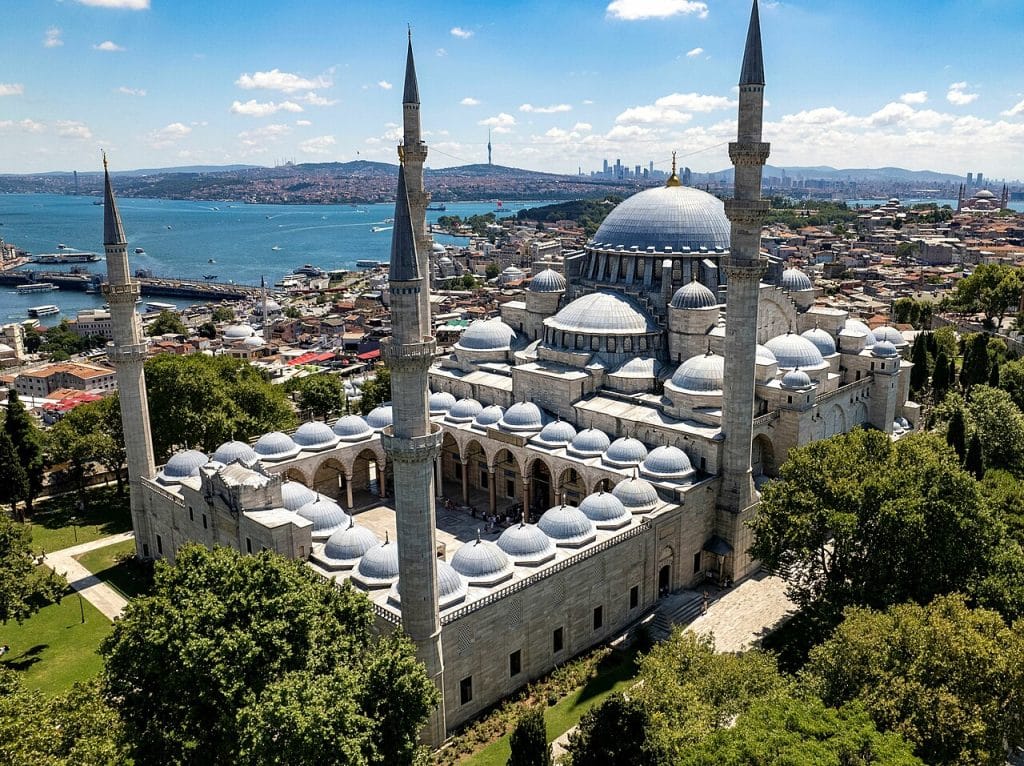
139, 251
208, 277
367, 263
43, 311
158, 306
437, 208
65, 257
36, 287
378, 229
310, 270
211, 261
275, 248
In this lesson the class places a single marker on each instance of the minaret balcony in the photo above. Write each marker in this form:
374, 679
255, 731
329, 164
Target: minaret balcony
412, 449
749, 153
115, 293
130, 352
751, 212
408, 356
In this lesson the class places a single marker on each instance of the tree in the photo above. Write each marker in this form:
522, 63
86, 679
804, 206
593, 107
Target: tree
992, 289
24, 587
977, 365
1011, 380
468, 281
257, 659
13, 479
376, 390
956, 436
223, 314
858, 519
28, 443
321, 395
167, 323
940, 377
492, 270
919, 372
292, 312
529, 740
91, 432
999, 425
615, 733
974, 460
207, 330
948, 679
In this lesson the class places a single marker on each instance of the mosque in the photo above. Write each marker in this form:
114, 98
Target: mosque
596, 447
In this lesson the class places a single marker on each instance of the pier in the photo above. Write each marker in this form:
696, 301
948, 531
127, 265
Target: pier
151, 286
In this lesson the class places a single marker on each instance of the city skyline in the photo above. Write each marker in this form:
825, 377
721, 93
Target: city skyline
160, 84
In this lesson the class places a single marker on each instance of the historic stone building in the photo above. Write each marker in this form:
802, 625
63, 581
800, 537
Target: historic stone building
597, 446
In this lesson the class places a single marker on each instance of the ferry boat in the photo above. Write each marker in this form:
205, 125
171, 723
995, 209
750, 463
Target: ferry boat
64, 257
209, 277
139, 251
275, 248
367, 263
310, 271
378, 229
43, 311
158, 306
36, 287
437, 208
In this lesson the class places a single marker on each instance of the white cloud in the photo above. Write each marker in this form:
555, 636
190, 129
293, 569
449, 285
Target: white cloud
1014, 111
73, 129
285, 82
692, 54
313, 99
52, 39
635, 10
440, 53
318, 145
695, 102
385, 85
553, 109
131, 5
28, 126
254, 108
582, 127
255, 140
500, 123
915, 97
11, 88
303, 123
652, 115
587, 102
131, 91
470, 101
958, 95
461, 33
108, 46
168, 135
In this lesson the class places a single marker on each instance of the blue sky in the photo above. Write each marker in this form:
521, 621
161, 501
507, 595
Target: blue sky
917, 83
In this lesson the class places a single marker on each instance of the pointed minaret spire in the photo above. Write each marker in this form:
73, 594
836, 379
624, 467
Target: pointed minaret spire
404, 264
412, 89
752, 72
113, 231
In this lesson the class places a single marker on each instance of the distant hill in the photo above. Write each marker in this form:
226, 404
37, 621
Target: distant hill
860, 175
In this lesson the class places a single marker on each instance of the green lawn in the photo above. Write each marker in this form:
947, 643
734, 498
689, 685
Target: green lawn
616, 674
105, 514
53, 649
114, 565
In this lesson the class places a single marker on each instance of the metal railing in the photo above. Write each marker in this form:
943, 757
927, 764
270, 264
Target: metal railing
848, 388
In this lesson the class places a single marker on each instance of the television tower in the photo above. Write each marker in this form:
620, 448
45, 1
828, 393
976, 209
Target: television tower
488, 146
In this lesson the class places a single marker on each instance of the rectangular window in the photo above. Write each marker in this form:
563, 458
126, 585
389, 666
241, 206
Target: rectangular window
204, 522
483, 479
696, 562
248, 545
634, 597
145, 550
191, 515
510, 488
515, 663
556, 641
159, 545
466, 690
598, 617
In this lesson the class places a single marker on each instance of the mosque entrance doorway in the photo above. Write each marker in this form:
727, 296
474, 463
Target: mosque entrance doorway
664, 579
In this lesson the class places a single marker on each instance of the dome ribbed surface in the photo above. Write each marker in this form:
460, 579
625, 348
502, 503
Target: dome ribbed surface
700, 374
379, 565
884, 349
451, 587
625, 452
522, 416
765, 355
589, 443
891, 334
795, 280
667, 216
636, 495
294, 495
858, 327
380, 418
315, 435
603, 313
667, 462
605, 510
275, 446
488, 416
326, 515
792, 350
694, 295
229, 452
351, 428
547, 281
526, 544
824, 342
184, 464
440, 402
482, 563
557, 433
487, 335
463, 411
349, 543
796, 380
567, 525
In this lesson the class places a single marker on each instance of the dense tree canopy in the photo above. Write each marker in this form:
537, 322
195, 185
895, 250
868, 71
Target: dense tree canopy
91, 432
991, 289
24, 586
29, 444
321, 396
376, 390
60, 342
619, 732
167, 323
529, 740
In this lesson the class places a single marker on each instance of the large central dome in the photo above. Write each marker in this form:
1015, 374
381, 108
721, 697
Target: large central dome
676, 217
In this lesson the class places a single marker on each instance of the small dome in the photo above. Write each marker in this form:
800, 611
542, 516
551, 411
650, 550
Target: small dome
526, 545
859, 328
275, 446
253, 342
351, 428
795, 280
765, 355
605, 510
379, 566
603, 313
315, 435
487, 335
891, 334
349, 543
294, 495
441, 402
557, 433
667, 462
567, 526
326, 515
625, 452
437, 247
700, 374
5, 349
589, 443
796, 380
694, 295
182, 465
793, 350
380, 418
482, 563
824, 342
463, 411
488, 416
238, 332
512, 271
273, 307
636, 495
522, 416
230, 452
547, 281
884, 349
451, 587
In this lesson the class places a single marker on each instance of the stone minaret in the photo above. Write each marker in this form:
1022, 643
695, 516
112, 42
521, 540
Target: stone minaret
414, 153
127, 353
266, 314
743, 269
960, 200
412, 444
1004, 200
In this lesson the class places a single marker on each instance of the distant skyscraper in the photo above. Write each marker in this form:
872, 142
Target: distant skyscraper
637, 171
687, 177
605, 168
618, 168
970, 178
981, 179
650, 167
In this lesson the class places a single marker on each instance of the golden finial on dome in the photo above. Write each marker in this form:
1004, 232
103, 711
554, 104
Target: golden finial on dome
673, 180
401, 154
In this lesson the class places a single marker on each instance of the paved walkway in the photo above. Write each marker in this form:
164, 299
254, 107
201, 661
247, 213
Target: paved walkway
96, 592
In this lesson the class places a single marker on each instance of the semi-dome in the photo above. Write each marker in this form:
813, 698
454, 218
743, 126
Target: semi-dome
891, 334
603, 313
557, 433
700, 374
488, 416
235, 332
547, 281
349, 543
230, 452
677, 217
380, 417
378, 567
482, 563
295, 494
451, 587
605, 510
522, 416
351, 428
694, 295
764, 355
859, 328
182, 465
667, 462
792, 350
526, 545
568, 526
884, 349
638, 367
589, 443
440, 402
463, 411
824, 342
326, 515
637, 495
625, 452
315, 435
487, 335
795, 280
275, 446
796, 380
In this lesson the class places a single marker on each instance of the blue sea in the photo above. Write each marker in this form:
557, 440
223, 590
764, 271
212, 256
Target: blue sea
188, 239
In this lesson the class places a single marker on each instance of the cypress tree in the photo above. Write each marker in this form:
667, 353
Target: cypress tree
974, 463
993, 376
529, 740
940, 378
977, 366
919, 373
27, 443
933, 345
956, 434
13, 480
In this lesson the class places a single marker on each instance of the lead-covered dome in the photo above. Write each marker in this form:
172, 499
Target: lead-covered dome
547, 281
451, 587
482, 563
795, 280
378, 567
824, 342
569, 527
605, 510
603, 313
237, 332
792, 350
694, 295
668, 216
294, 495
636, 495
347, 545
702, 374
315, 435
667, 462
526, 545
275, 446
884, 349
488, 416
857, 327
326, 515
487, 335
440, 402
522, 416
182, 465
230, 452
463, 411
557, 433
589, 443
351, 428
891, 334
796, 380
625, 452
380, 418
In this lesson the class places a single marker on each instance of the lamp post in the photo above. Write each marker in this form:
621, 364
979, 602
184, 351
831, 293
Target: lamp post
74, 526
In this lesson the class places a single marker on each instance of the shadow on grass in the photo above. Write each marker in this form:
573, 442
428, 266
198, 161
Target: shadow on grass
129, 577
103, 513
27, 658
613, 669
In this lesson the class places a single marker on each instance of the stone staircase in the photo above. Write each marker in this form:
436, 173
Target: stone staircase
679, 608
